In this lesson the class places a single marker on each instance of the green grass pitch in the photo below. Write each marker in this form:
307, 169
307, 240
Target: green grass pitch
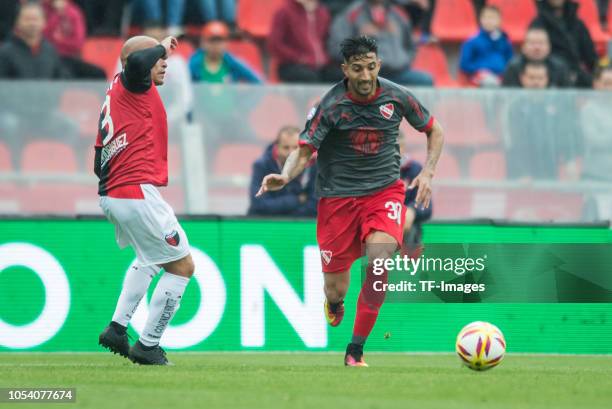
314, 380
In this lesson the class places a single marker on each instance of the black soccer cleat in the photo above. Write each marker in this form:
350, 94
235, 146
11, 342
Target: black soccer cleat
115, 340
143, 355
354, 356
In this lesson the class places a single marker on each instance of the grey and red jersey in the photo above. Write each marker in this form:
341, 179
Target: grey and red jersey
357, 141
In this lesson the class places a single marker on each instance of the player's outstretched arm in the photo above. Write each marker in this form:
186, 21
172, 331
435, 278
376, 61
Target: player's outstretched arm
137, 71
295, 164
435, 142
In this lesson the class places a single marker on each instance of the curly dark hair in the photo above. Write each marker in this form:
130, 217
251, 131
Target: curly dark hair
358, 46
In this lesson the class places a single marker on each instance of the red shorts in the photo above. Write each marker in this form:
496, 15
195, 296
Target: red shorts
343, 223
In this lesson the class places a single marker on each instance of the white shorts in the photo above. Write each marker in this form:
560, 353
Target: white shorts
148, 225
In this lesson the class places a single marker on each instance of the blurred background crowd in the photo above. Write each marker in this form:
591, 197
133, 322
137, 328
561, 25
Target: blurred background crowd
422, 42
465, 59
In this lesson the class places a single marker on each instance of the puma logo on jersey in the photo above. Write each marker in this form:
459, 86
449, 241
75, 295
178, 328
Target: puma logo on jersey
326, 256
387, 110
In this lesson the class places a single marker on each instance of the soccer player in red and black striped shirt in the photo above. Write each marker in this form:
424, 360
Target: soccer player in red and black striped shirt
355, 131
131, 162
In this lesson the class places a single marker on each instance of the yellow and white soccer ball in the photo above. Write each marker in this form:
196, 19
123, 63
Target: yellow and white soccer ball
480, 345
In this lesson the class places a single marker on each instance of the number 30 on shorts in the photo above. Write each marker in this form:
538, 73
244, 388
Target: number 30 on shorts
395, 211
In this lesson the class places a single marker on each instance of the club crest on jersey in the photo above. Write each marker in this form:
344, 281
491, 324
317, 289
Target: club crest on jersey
387, 110
173, 238
326, 255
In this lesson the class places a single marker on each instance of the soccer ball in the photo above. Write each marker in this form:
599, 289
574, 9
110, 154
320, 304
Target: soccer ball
480, 346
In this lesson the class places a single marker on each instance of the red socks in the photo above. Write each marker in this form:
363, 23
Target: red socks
368, 305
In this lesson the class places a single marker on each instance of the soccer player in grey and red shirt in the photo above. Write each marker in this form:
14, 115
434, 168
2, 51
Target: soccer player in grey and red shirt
355, 131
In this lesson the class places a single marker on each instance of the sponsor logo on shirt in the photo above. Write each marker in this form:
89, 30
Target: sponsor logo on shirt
387, 110
114, 147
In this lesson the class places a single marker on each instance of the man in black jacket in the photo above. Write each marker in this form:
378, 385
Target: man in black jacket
569, 37
537, 48
26, 54
298, 197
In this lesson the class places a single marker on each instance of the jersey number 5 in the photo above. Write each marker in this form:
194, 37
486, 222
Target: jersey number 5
106, 122
395, 211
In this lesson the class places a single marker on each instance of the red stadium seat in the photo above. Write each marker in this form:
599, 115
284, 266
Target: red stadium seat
464, 122
103, 52
185, 49
255, 16
516, 16
451, 202
431, 58
56, 198
454, 20
236, 159
174, 194
174, 159
488, 165
6, 164
590, 16
48, 156
249, 53
448, 167
82, 107
542, 206
9, 198
273, 112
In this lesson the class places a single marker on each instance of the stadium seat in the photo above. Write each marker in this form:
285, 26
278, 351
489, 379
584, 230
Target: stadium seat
589, 14
174, 194
516, 16
448, 167
9, 198
56, 198
255, 16
273, 112
236, 159
464, 122
541, 206
103, 52
454, 20
6, 165
431, 58
185, 49
174, 159
249, 53
48, 156
489, 165
83, 107
451, 202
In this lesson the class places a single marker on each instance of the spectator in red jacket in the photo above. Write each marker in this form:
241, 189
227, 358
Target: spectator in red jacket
298, 42
65, 27
66, 30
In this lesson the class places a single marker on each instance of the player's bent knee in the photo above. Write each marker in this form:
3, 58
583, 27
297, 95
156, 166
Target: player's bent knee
183, 267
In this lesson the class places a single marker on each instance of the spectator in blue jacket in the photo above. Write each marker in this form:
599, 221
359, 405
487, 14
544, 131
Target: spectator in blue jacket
484, 56
415, 216
213, 63
298, 197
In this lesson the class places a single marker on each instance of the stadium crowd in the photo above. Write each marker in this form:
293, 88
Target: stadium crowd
298, 43
441, 43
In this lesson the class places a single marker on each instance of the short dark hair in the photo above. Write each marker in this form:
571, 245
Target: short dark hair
356, 46
490, 7
533, 64
287, 129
